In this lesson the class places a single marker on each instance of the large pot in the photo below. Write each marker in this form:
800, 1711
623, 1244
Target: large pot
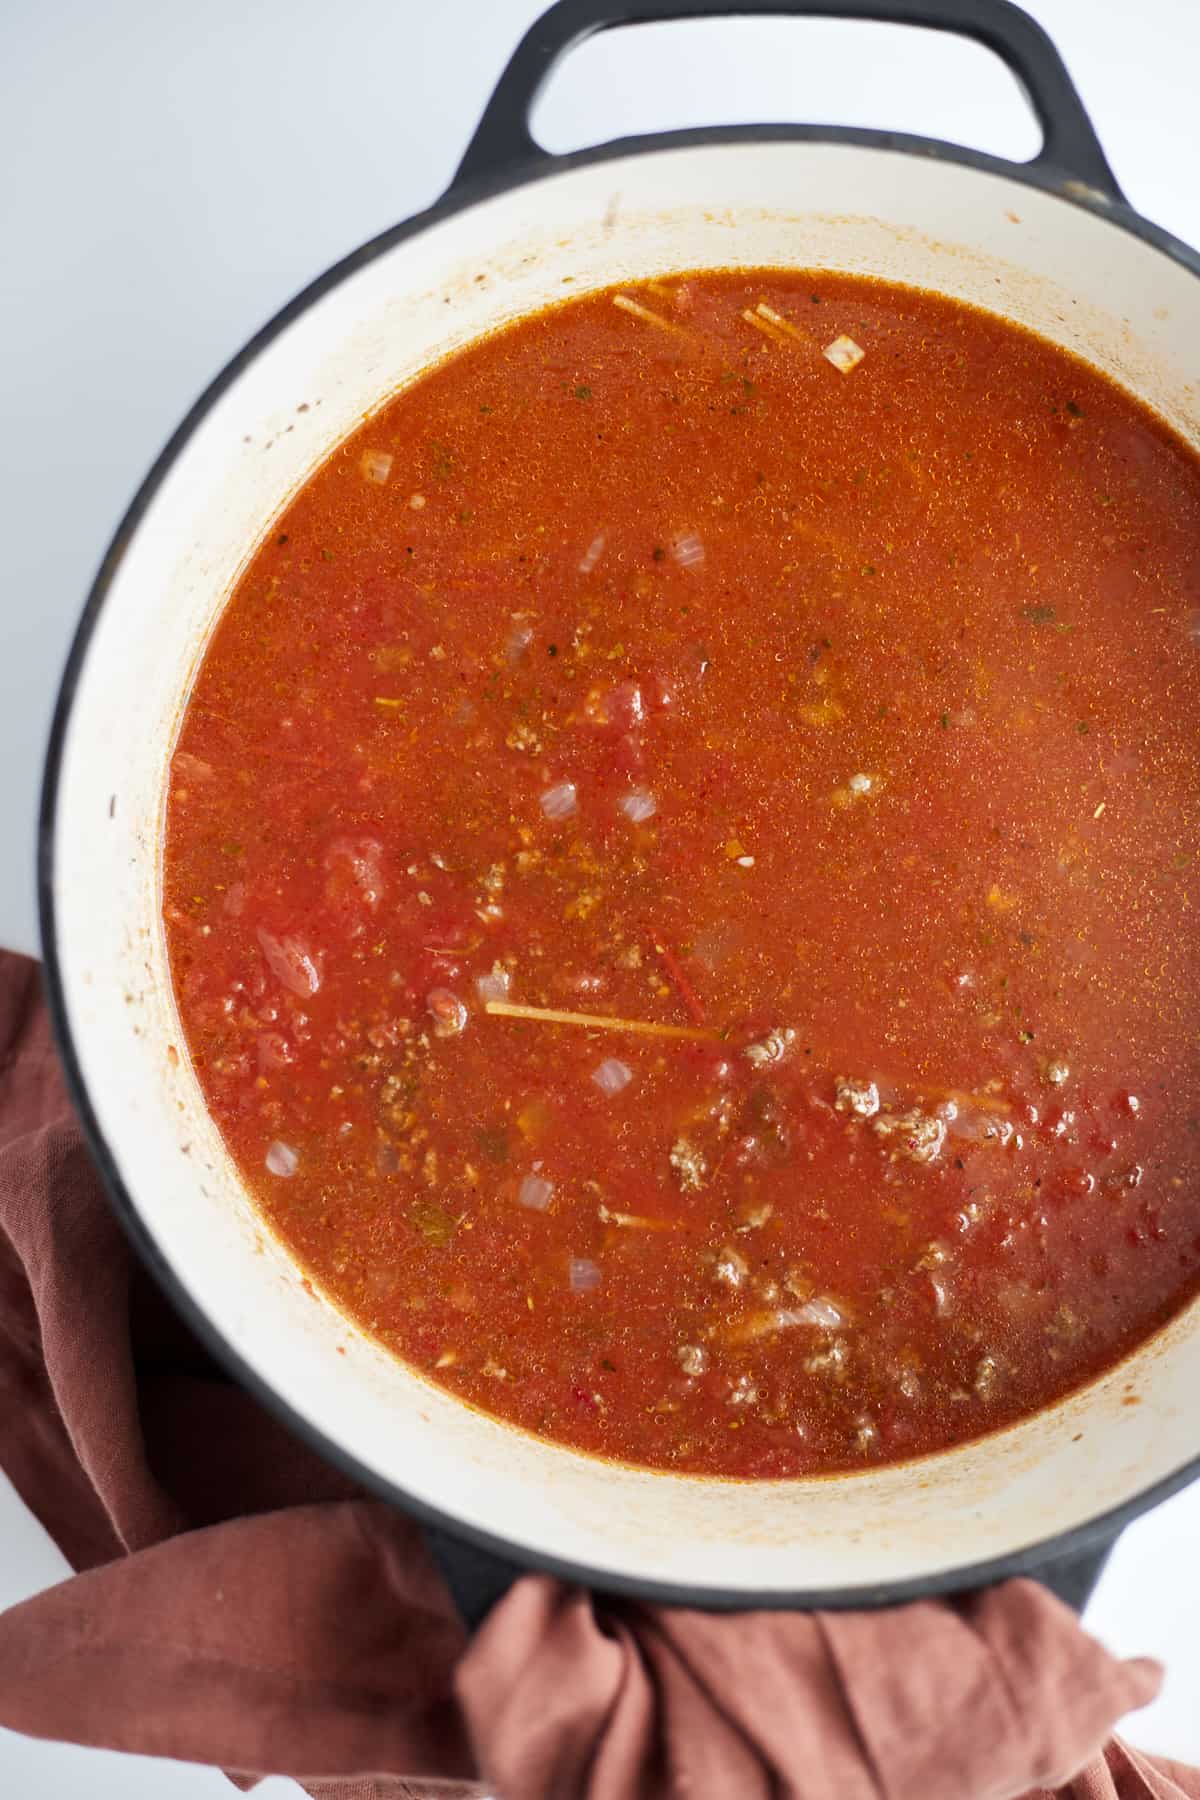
1051, 244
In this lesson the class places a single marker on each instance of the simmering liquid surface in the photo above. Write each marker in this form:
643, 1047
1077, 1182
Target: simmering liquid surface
824, 717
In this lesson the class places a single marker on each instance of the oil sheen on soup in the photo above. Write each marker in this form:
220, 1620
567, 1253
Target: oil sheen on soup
679, 871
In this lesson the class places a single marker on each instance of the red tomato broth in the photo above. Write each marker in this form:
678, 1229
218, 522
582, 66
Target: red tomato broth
905, 660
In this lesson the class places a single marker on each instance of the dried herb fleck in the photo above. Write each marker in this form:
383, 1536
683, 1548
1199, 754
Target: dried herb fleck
433, 1222
493, 1142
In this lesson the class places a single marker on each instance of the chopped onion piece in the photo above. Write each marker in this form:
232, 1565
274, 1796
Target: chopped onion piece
591, 555
495, 985
844, 354
731, 1268
192, 768
612, 1075
638, 806
448, 1012
626, 705
355, 868
820, 1312
376, 465
859, 784
558, 802
687, 550
622, 707
519, 638
535, 1192
282, 1159
289, 962
585, 1275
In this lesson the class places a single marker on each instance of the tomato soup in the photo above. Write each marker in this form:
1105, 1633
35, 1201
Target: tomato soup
679, 869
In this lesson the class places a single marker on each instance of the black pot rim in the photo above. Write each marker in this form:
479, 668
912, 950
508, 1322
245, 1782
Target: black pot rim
1079, 1541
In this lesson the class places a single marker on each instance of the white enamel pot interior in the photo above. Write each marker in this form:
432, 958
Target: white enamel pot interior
1120, 295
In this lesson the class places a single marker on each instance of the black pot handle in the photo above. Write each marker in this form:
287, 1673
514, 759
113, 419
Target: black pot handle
1074, 1578
478, 1578
1070, 149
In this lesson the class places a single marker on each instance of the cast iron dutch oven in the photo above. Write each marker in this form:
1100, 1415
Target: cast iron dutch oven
1050, 243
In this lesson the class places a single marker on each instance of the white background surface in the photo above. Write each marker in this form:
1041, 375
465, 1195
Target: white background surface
170, 174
